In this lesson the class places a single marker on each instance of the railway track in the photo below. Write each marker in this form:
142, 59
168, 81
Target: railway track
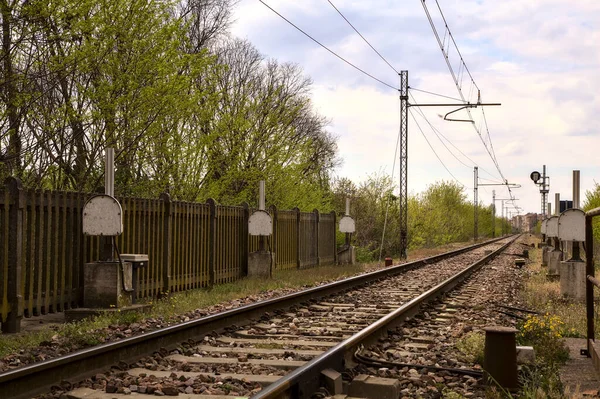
267, 349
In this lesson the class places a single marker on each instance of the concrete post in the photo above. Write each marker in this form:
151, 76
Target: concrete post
573, 279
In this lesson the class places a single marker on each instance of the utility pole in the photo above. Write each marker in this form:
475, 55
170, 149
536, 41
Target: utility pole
403, 163
475, 203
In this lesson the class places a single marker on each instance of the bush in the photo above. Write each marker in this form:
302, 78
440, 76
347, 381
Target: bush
545, 334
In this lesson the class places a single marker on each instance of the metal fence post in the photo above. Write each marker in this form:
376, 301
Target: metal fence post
167, 240
212, 240
589, 288
13, 295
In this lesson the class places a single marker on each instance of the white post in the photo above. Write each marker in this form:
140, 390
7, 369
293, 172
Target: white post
576, 186
109, 172
261, 195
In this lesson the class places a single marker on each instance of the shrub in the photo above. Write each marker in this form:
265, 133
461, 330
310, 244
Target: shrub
545, 334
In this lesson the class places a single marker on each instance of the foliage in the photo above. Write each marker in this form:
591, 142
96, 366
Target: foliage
440, 215
472, 346
189, 111
545, 334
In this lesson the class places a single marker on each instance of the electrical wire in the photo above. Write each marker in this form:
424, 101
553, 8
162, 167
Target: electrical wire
387, 202
329, 50
366, 41
436, 94
435, 153
439, 133
458, 80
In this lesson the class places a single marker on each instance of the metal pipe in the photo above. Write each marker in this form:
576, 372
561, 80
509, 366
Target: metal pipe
557, 204
576, 186
347, 207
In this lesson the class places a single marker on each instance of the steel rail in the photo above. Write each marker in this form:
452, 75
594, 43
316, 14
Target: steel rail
306, 380
27, 381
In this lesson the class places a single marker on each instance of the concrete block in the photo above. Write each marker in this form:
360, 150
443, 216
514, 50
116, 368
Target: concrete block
572, 280
519, 262
545, 250
260, 264
347, 255
333, 381
525, 355
370, 387
103, 285
554, 259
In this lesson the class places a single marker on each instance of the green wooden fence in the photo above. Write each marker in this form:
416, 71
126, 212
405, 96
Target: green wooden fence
190, 245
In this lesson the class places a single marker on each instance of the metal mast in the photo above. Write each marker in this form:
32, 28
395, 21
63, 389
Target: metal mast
403, 163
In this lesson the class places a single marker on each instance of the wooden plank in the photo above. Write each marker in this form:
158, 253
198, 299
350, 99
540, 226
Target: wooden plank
31, 257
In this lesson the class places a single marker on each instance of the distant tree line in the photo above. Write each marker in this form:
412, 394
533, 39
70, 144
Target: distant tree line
440, 215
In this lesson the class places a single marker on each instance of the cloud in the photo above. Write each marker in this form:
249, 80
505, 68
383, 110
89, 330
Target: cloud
539, 58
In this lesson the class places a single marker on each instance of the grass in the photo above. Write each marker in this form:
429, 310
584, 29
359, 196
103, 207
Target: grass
93, 331
544, 297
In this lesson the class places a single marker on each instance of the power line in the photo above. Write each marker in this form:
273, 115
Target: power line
435, 153
436, 94
439, 133
366, 41
457, 82
326, 48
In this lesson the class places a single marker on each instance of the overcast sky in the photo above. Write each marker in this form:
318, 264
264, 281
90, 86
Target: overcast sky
539, 58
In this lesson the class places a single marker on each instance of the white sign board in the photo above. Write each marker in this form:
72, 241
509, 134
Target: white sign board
544, 225
571, 225
102, 216
347, 225
552, 227
260, 224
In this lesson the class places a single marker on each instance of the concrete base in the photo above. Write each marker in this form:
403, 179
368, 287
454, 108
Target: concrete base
545, 250
365, 386
554, 259
260, 263
572, 280
78, 314
347, 255
103, 285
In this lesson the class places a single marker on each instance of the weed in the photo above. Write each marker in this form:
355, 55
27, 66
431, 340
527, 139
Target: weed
544, 333
471, 345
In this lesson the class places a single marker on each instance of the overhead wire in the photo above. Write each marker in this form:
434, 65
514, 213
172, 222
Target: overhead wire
438, 132
436, 94
366, 41
434, 152
328, 49
387, 201
458, 82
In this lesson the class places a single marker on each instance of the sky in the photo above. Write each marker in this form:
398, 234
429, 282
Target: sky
540, 59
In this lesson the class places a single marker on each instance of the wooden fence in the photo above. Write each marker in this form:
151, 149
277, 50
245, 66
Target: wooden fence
190, 245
